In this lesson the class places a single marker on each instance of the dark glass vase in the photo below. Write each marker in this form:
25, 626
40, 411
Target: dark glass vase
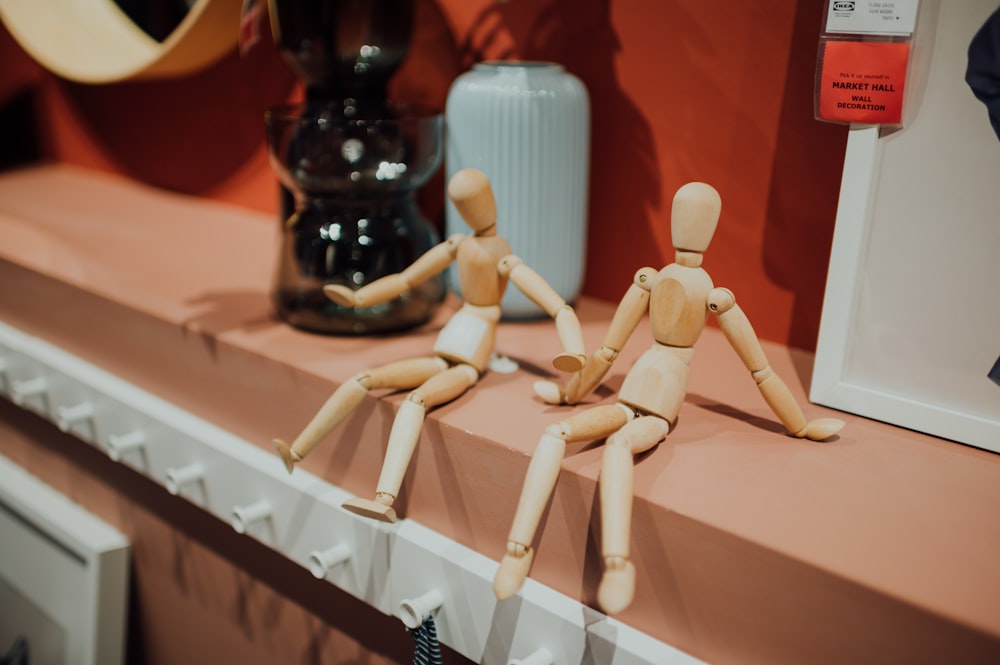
350, 162
355, 217
343, 49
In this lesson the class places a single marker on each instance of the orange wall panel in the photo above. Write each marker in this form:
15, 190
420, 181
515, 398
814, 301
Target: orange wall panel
680, 90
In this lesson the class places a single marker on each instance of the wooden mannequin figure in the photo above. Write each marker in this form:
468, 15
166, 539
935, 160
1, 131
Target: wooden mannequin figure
678, 298
462, 349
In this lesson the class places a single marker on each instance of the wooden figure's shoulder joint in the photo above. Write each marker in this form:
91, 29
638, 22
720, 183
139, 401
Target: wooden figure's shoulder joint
721, 300
644, 278
453, 241
508, 263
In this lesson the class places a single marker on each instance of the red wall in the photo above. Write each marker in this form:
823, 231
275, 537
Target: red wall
708, 90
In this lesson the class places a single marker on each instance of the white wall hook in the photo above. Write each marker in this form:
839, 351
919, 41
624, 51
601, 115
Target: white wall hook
420, 558
414, 611
120, 445
22, 391
322, 561
243, 517
540, 657
177, 478
69, 416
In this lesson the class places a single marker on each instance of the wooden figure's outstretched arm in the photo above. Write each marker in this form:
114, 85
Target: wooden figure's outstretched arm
386, 288
542, 294
630, 311
743, 339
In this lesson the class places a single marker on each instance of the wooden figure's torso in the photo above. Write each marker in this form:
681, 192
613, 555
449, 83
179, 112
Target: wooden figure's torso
678, 309
678, 304
478, 258
470, 334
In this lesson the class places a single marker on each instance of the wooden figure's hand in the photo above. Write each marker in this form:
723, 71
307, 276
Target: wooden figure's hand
569, 362
743, 339
583, 381
390, 286
589, 371
340, 294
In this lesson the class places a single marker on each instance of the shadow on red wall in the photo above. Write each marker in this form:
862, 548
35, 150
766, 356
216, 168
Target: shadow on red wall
186, 135
804, 188
624, 173
739, 119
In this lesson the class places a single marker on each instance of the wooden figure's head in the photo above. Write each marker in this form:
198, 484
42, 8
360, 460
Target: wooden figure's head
694, 216
470, 191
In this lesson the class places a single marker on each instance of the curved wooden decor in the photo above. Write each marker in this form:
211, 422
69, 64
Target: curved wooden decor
93, 41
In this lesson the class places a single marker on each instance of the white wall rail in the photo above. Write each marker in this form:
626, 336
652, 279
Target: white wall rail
389, 567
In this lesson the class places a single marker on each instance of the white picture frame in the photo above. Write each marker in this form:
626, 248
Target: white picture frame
911, 315
63, 576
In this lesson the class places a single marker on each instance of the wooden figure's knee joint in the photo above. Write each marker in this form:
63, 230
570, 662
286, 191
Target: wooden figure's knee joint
559, 431
618, 440
417, 398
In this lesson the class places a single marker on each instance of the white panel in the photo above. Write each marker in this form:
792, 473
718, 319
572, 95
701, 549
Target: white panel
388, 564
69, 571
911, 322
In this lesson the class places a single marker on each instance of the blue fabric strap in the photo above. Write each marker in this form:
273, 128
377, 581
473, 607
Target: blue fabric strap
427, 649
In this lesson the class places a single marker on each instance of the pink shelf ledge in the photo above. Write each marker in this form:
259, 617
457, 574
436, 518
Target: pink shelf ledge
751, 546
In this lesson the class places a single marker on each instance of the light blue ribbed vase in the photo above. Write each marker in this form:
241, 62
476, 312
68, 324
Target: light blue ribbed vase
526, 125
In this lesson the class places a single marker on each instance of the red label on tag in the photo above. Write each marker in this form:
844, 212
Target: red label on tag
863, 81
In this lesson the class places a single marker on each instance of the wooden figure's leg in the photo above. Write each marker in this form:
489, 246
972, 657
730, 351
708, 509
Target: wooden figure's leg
741, 336
399, 375
540, 481
618, 583
404, 435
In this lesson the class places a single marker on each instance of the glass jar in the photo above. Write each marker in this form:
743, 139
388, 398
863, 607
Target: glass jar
355, 217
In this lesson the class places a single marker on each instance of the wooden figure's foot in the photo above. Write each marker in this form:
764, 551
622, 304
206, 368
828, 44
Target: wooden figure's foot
287, 455
511, 574
549, 391
617, 585
370, 509
822, 428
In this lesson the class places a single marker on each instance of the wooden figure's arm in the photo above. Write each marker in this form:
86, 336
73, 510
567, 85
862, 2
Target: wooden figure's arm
542, 294
630, 311
743, 339
386, 288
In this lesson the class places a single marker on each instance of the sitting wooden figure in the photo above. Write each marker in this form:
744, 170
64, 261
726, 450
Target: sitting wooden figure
679, 298
462, 349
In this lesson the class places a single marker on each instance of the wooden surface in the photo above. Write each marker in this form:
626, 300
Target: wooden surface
96, 42
751, 546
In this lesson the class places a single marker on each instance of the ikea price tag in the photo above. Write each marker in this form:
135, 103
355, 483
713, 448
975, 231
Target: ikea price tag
872, 17
862, 81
